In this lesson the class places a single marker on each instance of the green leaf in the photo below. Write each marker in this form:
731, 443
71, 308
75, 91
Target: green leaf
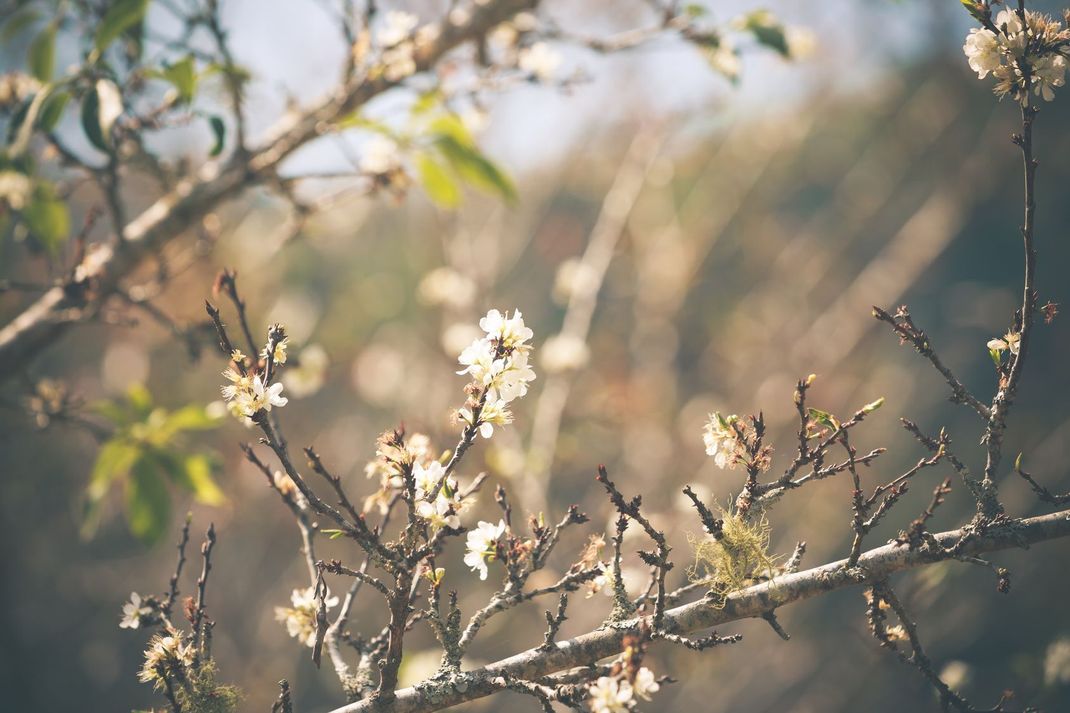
694, 10
219, 129
333, 534
101, 106
475, 168
52, 110
140, 399
148, 505
824, 418
974, 8
440, 186
182, 75
47, 218
18, 22
193, 473
452, 126
426, 102
114, 460
42, 54
121, 15
190, 418
767, 30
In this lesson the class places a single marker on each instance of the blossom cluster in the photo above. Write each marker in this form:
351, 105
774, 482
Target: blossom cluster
249, 392
397, 456
167, 653
611, 694
498, 366
1021, 55
722, 440
300, 619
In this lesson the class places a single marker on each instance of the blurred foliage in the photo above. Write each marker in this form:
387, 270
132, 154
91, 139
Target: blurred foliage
148, 450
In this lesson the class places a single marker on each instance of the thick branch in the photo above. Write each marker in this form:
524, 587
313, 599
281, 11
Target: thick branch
873, 566
52, 314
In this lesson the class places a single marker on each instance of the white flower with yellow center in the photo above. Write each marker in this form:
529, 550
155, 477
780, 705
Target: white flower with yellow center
510, 332
482, 546
982, 50
135, 612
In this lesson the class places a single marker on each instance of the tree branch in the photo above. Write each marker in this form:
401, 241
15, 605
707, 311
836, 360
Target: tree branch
873, 566
54, 312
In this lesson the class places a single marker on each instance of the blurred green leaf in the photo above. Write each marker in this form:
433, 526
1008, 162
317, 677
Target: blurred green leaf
101, 106
219, 129
426, 102
189, 418
42, 54
767, 30
148, 506
114, 460
452, 126
52, 110
182, 75
121, 15
140, 399
437, 182
196, 477
475, 168
17, 22
47, 218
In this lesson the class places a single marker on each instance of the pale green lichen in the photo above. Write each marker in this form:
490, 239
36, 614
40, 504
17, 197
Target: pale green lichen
736, 559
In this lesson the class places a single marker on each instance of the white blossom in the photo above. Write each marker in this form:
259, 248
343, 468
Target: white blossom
247, 394
1009, 342
574, 278
399, 62
300, 619
564, 352
482, 546
397, 26
494, 413
15, 189
510, 332
446, 286
982, 50
134, 612
722, 441
1049, 72
307, 376
539, 60
609, 695
278, 355
380, 155
1057, 662
645, 684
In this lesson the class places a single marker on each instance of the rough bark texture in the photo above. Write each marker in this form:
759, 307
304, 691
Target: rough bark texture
874, 565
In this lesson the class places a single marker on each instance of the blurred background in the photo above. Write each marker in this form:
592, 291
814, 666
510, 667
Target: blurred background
747, 231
